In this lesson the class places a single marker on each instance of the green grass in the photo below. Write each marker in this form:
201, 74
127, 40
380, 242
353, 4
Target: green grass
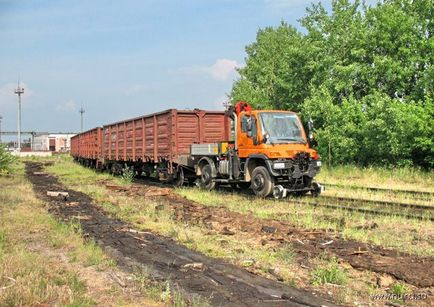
156, 215
328, 272
407, 178
399, 289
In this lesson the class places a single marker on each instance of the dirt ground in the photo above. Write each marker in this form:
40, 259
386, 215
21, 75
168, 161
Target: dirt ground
195, 274
418, 271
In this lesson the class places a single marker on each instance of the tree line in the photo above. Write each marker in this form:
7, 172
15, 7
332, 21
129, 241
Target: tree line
364, 74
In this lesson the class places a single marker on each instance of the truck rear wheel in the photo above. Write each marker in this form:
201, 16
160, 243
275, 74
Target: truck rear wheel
244, 185
179, 180
206, 181
262, 183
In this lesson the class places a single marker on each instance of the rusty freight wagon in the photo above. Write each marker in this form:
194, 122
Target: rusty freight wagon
86, 147
161, 141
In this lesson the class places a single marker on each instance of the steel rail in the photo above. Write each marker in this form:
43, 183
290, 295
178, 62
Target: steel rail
413, 192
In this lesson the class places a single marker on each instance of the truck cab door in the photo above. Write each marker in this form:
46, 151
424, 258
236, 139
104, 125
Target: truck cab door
248, 134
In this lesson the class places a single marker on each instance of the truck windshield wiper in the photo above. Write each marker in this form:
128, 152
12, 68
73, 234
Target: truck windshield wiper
292, 139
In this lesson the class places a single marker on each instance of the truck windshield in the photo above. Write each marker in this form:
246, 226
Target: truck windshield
282, 127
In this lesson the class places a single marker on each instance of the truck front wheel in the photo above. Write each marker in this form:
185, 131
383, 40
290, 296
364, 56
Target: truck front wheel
262, 182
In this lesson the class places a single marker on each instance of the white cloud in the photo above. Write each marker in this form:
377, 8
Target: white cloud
222, 69
68, 106
8, 97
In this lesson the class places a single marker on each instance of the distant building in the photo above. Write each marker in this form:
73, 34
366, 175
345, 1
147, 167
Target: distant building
57, 142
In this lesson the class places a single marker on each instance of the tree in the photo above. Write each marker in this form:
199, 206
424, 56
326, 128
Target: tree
365, 74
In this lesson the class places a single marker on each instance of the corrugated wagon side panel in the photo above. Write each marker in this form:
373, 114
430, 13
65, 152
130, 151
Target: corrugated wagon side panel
87, 144
137, 134
214, 127
187, 131
163, 136
74, 146
194, 127
149, 137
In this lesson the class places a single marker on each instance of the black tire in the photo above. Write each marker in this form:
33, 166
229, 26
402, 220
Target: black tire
316, 189
244, 185
206, 180
179, 180
262, 182
300, 193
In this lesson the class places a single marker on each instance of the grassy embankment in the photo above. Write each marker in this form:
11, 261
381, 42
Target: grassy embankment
407, 235
241, 250
396, 179
43, 261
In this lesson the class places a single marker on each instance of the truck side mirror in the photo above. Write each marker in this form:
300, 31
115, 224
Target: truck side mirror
310, 127
311, 136
265, 138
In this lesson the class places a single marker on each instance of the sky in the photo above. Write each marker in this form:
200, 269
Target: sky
122, 59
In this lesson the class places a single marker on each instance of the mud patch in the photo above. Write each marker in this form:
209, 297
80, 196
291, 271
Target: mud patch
219, 282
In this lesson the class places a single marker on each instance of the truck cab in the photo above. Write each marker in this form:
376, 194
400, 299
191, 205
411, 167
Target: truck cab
270, 154
277, 155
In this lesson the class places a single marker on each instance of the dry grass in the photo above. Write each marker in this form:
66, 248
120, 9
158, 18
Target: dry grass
240, 249
408, 235
43, 261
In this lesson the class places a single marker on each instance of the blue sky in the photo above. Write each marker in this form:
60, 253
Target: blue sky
121, 59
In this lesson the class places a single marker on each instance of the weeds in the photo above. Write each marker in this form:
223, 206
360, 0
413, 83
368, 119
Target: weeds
399, 289
286, 254
127, 174
328, 272
6, 160
147, 285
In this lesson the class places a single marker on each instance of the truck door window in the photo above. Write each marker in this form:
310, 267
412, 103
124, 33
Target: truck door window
244, 124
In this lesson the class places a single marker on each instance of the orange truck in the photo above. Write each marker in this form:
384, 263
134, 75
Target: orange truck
270, 154
263, 150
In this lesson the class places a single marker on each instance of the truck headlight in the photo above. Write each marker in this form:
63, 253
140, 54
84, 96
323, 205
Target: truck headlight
279, 165
318, 163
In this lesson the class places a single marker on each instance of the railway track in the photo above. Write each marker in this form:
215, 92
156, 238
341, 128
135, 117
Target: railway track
379, 202
410, 211
423, 195
419, 215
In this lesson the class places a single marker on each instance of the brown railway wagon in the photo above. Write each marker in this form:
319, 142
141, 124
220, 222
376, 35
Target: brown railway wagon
163, 136
88, 144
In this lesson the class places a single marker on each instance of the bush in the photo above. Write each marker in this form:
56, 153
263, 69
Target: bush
6, 160
375, 130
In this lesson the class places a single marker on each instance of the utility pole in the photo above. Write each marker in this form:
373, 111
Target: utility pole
1, 117
81, 114
19, 91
